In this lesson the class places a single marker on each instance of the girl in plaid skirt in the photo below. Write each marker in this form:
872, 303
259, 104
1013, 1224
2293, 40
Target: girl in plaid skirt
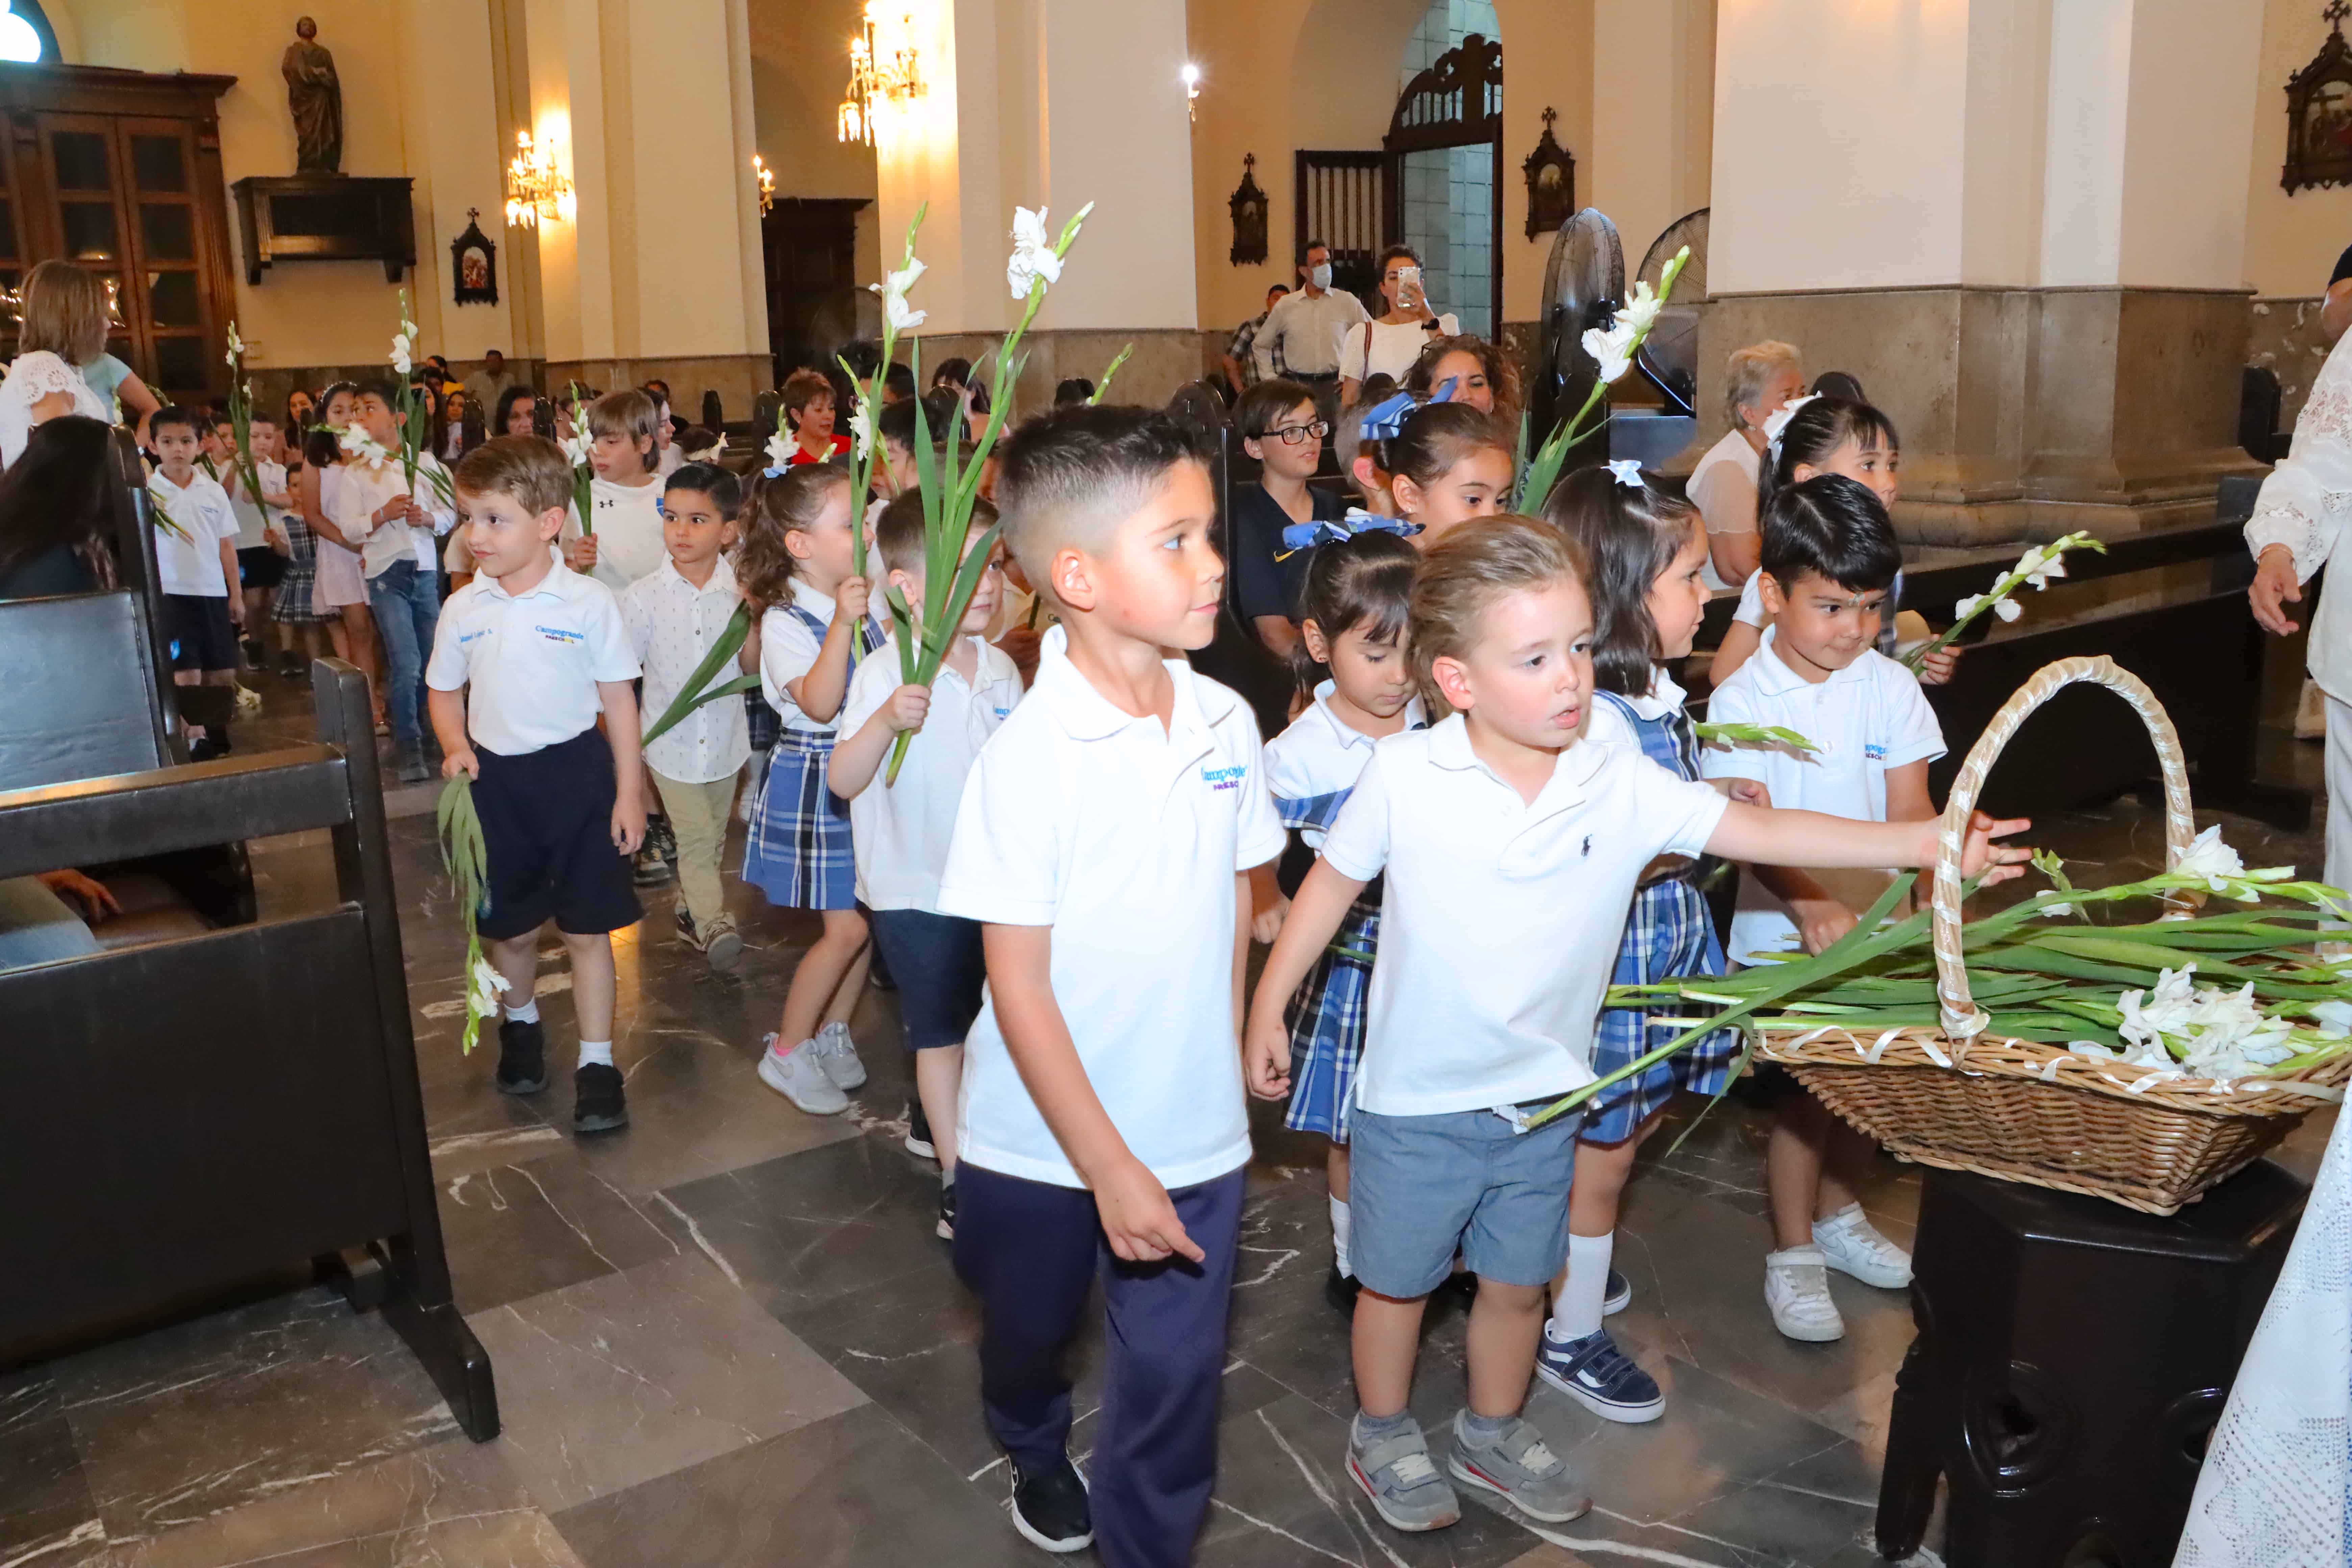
1647, 551
795, 571
1353, 610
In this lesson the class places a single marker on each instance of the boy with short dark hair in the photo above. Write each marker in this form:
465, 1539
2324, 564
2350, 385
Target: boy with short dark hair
1105, 841
196, 565
900, 830
1829, 562
527, 655
396, 525
675, 613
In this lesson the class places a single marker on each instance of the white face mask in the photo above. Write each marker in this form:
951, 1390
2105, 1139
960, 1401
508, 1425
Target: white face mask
1321, 275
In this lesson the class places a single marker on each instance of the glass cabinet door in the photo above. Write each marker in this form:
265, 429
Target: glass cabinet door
170, 304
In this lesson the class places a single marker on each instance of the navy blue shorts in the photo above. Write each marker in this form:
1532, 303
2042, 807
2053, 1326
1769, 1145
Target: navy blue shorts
197, 627
937, 963
547, 821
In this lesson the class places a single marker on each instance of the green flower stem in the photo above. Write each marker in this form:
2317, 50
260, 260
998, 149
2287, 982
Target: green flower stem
697, 689
466, 856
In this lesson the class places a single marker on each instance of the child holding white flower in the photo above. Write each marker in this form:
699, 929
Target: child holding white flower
1830, 558
625, 493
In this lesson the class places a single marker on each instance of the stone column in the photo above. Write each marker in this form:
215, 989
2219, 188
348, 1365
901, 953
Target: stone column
2018, 222
1058, 103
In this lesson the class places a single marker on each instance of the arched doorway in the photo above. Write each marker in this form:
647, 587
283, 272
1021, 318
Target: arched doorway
1445, 148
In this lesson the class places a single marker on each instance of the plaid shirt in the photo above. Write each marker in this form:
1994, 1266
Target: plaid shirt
1241, 350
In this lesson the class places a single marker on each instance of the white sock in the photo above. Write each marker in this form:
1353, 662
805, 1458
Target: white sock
1578, 1312
1339, 1235
523, 1011
598, 1052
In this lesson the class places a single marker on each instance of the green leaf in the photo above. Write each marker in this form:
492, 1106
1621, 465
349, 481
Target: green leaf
1753, 735
697, 692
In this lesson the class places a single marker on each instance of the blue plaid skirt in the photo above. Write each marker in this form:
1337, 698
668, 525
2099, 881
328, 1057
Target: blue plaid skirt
798, 851
1669, 931
1326, 1025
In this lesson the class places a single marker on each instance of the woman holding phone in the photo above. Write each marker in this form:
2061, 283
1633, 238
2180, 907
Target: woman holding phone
1389, 344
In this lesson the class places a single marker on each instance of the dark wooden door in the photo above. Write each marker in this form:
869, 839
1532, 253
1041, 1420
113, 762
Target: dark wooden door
1344, 200
810, 247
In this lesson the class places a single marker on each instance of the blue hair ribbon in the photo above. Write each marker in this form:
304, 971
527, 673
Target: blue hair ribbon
1385, 420
1298, 536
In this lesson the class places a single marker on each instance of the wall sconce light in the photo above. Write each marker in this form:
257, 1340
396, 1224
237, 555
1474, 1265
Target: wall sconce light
872, 80
767, 178
1192, 77
536, 188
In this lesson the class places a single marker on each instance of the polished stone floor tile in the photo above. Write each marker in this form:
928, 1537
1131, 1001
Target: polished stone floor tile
454, 1502
176, 1425
616, 1380
853, 1489
47, 1514
540, 1223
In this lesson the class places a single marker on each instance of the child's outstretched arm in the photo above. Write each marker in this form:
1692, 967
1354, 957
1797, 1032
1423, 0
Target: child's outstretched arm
1314, 920
1812, 838
1135, 1210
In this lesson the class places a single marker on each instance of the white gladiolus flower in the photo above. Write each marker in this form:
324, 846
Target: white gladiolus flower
1612, 349
1640, 312
2334, 1019
861, 433
2008, 609
359, 444
2039, 564
782, 448
2219, 1033
2212, 859
483, 988
400, 361
1033, 258
575, 449
893, 290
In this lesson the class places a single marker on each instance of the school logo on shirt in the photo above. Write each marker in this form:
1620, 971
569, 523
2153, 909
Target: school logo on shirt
561, 634
1224, 778
1873, 753
465, 637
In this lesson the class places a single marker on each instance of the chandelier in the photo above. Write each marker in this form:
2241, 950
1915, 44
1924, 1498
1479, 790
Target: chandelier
871, 80
536, 188
767, 178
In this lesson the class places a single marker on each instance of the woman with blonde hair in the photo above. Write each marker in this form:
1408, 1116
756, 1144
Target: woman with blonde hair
62, 365
1758, 379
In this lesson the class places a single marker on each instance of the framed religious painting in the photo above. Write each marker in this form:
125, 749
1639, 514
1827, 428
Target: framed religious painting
2319, 112
1248, 204
474, 264
1552, 183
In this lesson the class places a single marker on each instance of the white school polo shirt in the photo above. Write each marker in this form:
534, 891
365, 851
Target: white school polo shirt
530, 662
192, 566
628, 531
1125, 838
672, 624
1312, 765
1865, 719
901, 831
1502, 920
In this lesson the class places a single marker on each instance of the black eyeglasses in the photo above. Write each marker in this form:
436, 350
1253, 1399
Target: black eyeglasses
1294, 434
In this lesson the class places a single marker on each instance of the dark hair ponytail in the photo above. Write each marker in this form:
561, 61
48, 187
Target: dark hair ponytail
1365, 581
1630, 534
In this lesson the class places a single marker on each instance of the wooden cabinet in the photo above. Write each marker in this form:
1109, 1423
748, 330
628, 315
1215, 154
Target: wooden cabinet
120, 171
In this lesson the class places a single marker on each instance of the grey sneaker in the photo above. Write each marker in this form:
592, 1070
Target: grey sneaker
795, 1074
837, 1054
1519, 1468
1405, 1487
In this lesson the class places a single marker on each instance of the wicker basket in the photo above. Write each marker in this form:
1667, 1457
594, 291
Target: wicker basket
2023, 1110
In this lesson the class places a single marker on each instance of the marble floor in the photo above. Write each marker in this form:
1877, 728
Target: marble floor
725, 1336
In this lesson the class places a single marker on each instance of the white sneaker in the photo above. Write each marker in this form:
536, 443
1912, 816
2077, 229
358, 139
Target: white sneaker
837, 1054
1850, 1245
1797, 1288
797, 1076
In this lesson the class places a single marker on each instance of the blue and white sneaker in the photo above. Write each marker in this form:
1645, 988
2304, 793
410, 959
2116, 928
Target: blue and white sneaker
1597, 1375
1618, 1294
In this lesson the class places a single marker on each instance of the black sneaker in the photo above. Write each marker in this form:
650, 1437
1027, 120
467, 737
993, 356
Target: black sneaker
652, 868
945, 1229
522, 1057
919, 1133
1617, 1294
598, 1105
1050, 1508
1341, 1290
290, 667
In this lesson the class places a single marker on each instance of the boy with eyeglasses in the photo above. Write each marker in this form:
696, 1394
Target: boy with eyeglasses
1282, 429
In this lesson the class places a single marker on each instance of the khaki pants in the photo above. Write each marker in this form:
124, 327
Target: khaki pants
698, 814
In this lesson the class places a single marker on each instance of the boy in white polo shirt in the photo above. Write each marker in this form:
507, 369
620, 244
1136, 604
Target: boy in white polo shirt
1511, 854
1830, 558
195, 562
900, 830
1105, 841
525, 656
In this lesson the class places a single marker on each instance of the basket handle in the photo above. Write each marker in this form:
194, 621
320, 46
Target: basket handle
1963, 1021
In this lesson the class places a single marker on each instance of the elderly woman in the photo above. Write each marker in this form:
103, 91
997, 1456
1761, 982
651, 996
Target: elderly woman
1391, 344
1760, 378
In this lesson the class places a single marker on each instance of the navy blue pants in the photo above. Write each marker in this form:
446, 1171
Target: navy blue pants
1030, 1252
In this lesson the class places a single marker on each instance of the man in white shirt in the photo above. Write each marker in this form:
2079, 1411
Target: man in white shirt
482, 387
1300, 337
396, 525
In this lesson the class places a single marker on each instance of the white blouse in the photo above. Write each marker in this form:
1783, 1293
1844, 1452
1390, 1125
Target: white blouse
33, 378
1394, 349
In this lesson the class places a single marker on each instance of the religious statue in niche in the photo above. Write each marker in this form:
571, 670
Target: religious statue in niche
1552, 183
315, 96
474, 264
1249, 203
2319, 112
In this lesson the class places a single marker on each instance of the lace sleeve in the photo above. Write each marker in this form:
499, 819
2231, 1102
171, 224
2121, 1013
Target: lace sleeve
37, 374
